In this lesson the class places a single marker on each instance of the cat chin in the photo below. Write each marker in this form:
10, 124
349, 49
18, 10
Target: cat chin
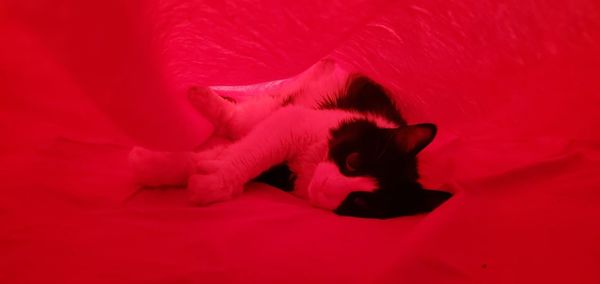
329, 188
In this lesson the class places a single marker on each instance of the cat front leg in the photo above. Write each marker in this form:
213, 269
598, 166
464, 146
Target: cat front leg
204, 189
214, 179
272, 142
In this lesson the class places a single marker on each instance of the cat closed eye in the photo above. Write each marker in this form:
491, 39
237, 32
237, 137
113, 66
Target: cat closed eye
352, 162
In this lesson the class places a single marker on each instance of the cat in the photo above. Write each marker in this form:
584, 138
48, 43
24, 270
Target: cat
329, 136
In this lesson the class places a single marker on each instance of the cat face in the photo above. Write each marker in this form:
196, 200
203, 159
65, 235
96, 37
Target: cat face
372, 172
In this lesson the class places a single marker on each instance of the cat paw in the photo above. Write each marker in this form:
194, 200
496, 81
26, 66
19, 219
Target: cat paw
213, 153
211, 188
215, 108
152, 168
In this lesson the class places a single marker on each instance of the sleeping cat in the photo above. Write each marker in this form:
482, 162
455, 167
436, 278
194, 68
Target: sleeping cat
329, 136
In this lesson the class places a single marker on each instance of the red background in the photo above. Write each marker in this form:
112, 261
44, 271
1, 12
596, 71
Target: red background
512, 85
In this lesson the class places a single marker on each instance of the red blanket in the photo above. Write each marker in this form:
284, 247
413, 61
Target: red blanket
512, 86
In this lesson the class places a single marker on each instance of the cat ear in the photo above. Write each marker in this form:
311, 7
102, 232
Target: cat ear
413, 138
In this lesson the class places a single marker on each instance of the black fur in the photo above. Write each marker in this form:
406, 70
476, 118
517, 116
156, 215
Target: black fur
390, 203
288, 101
363, 95
279, 176
380, 155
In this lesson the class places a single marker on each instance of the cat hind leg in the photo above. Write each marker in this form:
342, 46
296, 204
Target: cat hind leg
213, 107
232, 120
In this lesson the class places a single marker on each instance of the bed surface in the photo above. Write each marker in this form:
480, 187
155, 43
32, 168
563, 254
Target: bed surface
512, 87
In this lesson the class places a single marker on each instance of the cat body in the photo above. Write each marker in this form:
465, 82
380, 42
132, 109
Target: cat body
328, 136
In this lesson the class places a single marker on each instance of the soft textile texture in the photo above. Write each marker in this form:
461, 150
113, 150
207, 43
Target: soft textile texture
512, 86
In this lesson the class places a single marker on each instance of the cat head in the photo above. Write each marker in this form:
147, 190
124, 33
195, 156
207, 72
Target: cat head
372, 172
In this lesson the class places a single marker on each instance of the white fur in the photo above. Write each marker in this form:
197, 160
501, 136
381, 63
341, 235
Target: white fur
328, 187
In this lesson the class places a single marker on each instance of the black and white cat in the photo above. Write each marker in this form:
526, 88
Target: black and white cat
329, 136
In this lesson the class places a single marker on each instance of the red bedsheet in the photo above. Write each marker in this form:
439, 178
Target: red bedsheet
512, 86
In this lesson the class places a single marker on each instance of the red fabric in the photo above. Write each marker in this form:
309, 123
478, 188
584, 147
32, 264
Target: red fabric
512, 86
